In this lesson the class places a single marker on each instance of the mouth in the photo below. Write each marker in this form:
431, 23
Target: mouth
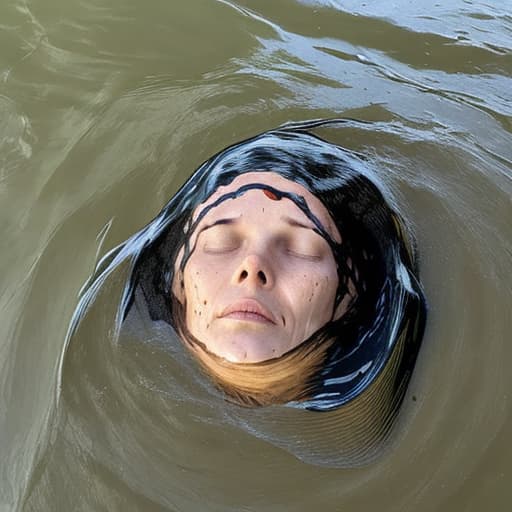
248, 310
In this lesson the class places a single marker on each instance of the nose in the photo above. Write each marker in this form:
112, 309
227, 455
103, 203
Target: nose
254, 270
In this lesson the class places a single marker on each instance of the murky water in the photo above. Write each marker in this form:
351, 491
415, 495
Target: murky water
107, 106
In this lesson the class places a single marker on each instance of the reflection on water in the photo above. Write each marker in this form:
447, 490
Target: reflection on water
106, 107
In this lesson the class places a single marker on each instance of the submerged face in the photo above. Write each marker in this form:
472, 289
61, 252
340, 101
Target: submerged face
259, 280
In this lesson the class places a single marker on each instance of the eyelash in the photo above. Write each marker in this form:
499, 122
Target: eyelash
209, 250
308, 257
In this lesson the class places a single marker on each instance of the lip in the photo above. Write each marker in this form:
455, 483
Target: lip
249, 310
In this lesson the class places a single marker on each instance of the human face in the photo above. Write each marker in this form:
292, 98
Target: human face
259, 280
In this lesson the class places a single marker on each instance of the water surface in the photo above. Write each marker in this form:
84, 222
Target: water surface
106, 107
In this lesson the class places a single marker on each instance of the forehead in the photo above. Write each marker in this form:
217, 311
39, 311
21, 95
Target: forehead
255, 200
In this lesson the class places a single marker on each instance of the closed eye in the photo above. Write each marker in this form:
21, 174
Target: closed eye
304, 256
219, 249
306, 247
219, 239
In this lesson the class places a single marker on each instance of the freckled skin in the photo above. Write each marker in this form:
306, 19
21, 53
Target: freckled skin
255, 259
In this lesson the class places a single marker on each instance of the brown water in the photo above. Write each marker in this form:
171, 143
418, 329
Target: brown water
106, 106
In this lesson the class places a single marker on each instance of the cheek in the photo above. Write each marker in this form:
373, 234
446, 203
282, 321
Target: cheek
201, 287
317, 295
195, 297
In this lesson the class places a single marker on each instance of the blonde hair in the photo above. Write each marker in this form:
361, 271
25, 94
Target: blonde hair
290, 377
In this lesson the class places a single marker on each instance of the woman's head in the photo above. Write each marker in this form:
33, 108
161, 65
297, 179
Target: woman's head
260, 277
282, 267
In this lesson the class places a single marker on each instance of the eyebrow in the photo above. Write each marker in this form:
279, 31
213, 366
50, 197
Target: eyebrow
232, 220
226, 220
296, 223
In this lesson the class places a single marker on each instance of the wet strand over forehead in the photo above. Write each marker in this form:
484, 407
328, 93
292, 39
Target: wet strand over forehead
275, 195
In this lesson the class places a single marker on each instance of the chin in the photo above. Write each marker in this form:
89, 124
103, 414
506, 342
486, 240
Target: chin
243, 351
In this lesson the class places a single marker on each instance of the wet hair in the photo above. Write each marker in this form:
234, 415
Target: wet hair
367, 353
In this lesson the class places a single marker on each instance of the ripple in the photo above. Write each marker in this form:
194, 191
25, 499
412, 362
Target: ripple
106, 108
